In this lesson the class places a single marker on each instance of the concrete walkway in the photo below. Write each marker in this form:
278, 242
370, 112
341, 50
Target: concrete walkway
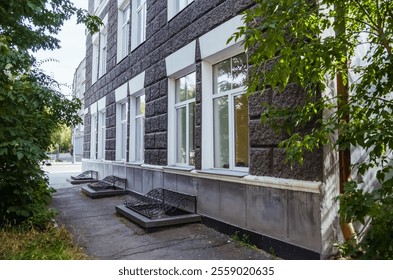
104, 235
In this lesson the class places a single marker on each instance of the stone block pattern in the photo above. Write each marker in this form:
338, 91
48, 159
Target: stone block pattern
162, 39
266, 159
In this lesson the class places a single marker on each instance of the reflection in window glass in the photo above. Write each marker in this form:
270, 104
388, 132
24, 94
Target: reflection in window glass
139, 127
221, 132
230, 113
185, 119
141, 21
241, 130
123, 131
185, 88
125, 30
230, 73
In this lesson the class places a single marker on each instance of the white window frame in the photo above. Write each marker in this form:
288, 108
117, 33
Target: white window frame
136, 135
214, 49
138, 32
101, 134
95, 62
98, 6
103, 52
136, 86
121, 98
93, 136
175, 6
123, 30
208, 97
177, 106
178, 64
121, 138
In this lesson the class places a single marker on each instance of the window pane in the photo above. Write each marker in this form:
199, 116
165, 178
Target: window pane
125, 30
138, 139
222, 76
140, 105
241, 130
141, 21
239, 70
181, 135
191, 131
230, 74
185, 88
123, 112
221, 132
123, 140
190, 85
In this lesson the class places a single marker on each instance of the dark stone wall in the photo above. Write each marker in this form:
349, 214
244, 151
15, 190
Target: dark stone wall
162, 39
266, 159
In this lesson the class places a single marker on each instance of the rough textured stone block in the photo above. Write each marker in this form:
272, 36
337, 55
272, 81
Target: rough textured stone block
257, 103
261, 162
261, 135
311, 169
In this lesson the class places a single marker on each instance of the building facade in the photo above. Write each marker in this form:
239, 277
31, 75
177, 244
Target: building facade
165, 106
78, 91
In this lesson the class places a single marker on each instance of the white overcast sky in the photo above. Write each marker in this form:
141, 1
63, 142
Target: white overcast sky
70, 54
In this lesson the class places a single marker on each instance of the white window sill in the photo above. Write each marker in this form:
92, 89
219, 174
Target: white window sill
224, 172
179, 168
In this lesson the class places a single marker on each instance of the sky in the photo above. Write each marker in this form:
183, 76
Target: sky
71, 53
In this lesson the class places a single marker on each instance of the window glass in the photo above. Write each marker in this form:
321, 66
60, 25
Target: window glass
185, 119
140, 28
139, 127
230, 113
125, 30
221, 132
123, 136
230, 74
241, 130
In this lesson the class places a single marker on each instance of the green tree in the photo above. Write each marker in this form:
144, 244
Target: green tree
61, 138
315, 43
31, 104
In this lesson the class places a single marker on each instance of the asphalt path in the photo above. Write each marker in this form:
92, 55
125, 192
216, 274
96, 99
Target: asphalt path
104, 235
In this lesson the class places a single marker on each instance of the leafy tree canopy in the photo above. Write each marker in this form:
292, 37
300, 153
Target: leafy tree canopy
31, 104
315, 44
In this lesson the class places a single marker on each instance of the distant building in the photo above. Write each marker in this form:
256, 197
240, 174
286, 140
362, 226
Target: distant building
78, 90
165, 106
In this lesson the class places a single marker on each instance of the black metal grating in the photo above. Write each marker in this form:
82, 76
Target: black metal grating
161, 202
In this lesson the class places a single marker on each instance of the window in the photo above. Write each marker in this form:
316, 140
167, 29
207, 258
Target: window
230, 113
101, 135
93, 137
123, 131
96, 54
138, 23
139, 127
175, 6
185, 119
103, 52
123, 30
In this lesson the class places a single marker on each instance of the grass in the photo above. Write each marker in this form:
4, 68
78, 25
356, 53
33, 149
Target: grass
53, 243
243, 240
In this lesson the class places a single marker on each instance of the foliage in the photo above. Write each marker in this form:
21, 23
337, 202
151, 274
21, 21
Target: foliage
61, 138
31, 105
34, 244
310, 43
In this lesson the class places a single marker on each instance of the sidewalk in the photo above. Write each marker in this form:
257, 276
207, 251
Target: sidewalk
107, 236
